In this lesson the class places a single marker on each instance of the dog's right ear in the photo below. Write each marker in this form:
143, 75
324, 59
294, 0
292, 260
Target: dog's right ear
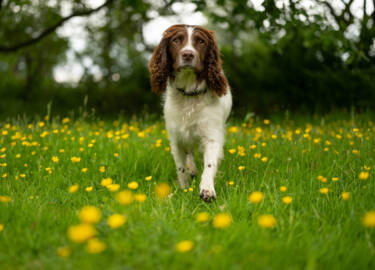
160, 67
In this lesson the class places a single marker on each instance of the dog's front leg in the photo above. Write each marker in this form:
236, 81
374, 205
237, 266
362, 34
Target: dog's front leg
213, 153
179, 156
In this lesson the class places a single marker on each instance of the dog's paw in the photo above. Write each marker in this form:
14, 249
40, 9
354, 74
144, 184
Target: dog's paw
208, 195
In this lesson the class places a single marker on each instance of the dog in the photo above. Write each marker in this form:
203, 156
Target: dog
187, 67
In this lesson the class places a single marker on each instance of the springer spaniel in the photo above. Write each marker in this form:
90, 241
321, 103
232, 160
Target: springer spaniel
187, 65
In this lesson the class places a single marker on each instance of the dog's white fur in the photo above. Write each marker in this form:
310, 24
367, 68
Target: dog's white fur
196, 122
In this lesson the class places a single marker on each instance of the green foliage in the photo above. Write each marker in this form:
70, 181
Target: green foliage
275, 57
315, 231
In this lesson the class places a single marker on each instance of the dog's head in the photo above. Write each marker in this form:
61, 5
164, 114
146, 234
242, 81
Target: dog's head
187, 46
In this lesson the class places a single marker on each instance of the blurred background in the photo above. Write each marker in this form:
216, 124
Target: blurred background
309, 56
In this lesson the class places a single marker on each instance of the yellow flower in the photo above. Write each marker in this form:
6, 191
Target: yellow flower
116, 221
322, 179
202, 217
115, 154
335, 179
133, 185
184, 246
368, 219
95, 246
55, 159
84, 170
264, 159
64, 251
283, 188
257, 155
65, 120
89, 214
241, 168
5, 199
124, 197
140, 197
255, 197
345, 196
253, 146
89, 189
191, 189
266, 121
233, 129
355, 151
81, 233
162, 190
41, 124
363, 175
231, 183
106, 182
1, 227
267, 221
148, 178
75, 159
287, 199
73, 188
232, 151
324, 190
221, 221
113, 187
366, 168
102, 169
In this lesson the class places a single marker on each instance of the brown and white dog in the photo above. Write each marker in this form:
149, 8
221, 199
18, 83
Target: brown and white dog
187, 66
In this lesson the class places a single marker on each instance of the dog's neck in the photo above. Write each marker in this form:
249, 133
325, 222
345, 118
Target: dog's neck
186, 82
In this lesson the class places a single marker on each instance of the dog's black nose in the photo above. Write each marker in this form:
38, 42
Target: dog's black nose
187, 55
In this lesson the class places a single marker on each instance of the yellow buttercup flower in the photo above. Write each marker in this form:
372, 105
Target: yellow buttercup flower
84, 170
232, 151
124, 197
81, 233
133, 185
363, 175
345, 196
89, 214
95, 246
116, 221
287, 199
241, 168
5, 199
1, 227
75, 159
222, 221
89, 189
202, 217
102, 169
334, 179
64, 251
184, 246
106, 182
264, 159
255, 197
267, 221
324, 190
113, 187
73, 188
148, 178
368, 219
162, 190
140, 197
283, 188
55, 159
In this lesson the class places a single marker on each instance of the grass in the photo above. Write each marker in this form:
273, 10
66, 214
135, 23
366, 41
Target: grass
314, 231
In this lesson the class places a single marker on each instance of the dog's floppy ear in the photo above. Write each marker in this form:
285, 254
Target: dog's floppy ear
160, 67
215, 77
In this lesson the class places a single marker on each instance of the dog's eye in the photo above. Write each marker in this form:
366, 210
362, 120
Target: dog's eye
200, 41
176, 40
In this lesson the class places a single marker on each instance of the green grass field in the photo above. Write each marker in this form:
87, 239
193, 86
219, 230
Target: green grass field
48, 167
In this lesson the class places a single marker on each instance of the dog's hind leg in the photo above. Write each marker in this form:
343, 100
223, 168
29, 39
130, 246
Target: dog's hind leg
190, 164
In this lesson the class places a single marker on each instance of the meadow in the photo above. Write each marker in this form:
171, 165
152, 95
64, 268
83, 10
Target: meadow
84, 193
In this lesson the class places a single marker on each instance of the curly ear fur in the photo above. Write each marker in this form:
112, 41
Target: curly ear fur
216, 79
160, 67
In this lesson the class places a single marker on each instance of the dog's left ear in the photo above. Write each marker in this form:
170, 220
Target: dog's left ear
215, 77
